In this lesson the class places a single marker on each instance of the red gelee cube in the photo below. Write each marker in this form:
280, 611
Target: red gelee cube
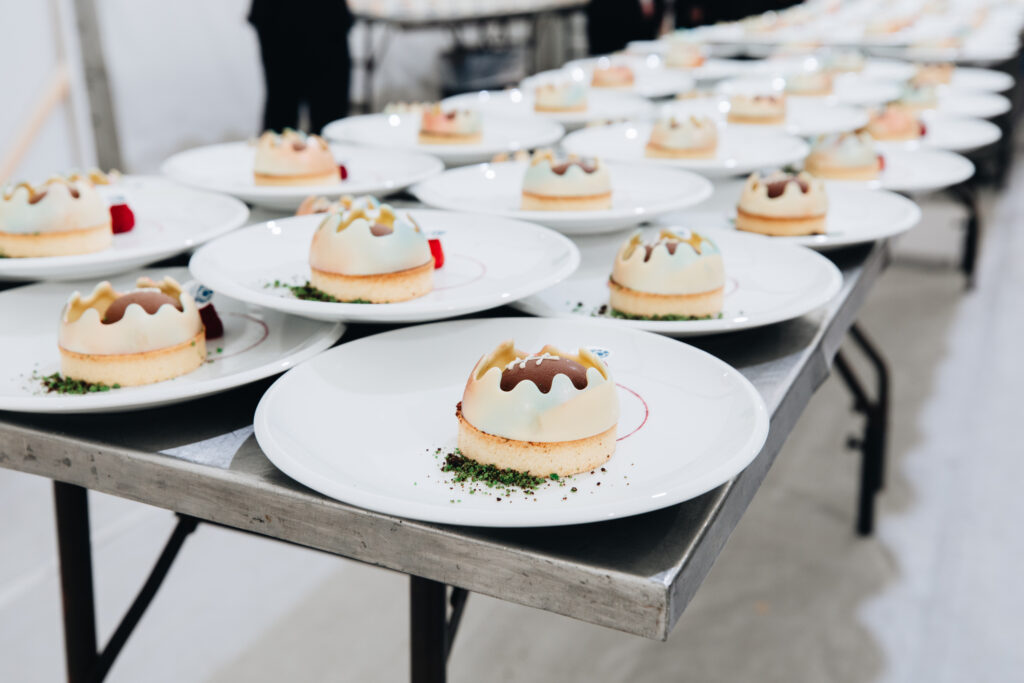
343, 171
881, 163
211, 321
924, 129
436, 251
121, 218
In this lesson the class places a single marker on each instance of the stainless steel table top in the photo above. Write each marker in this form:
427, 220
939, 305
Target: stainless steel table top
635, 574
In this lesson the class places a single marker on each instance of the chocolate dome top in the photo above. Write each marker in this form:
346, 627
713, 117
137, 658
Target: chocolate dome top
777, 187
150, 300
541, 370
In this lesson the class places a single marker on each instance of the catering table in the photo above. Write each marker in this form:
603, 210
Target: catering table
635, 574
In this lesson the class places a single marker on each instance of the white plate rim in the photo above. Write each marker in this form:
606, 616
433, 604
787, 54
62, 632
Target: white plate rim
114, 401
686, 328
428, 513
372, 313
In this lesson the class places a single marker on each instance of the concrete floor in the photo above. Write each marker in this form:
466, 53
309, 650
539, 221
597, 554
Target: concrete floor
794, 597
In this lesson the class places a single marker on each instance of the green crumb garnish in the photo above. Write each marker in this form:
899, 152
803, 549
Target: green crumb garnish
220, 349
56, 383
625, 316
308, 292
554, 476
466, 469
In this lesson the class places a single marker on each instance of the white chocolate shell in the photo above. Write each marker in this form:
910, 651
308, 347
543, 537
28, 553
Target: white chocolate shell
293, 153
694, 265
792, 203
688, 132
344, 242
59, 205
82, 329
564, 413
540, 179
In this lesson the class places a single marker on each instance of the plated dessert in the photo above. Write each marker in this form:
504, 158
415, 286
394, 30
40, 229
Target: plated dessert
613, 76
844, 61
677, 276
684, 55
782, 204
689, 137
933, 74
452, 127
917, 98
895, 124
810, 84
569, 183
844, 156
368, 253
61, 217
150, 334
563, 96
294, 158
769, 110
546, 413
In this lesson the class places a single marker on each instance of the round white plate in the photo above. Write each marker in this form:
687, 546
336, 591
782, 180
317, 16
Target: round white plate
639, 193
227, 168
257, 343
989, 80
951, 133
855, 215
649, 82
979, 105
740, 149
711, 70
488, 262
688, 423
601, 106
921, 170
767, 281
887, 69
806, 117
401, 131
169, 220
849, 90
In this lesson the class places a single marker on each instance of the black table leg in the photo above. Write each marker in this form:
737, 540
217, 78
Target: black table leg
428, 630
966, 194
873, 443
75, 551
431, 630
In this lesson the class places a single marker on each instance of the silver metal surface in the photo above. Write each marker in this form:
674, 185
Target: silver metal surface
636, 574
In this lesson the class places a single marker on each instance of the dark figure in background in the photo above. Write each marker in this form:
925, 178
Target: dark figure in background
613, 23
304, 46
701, 13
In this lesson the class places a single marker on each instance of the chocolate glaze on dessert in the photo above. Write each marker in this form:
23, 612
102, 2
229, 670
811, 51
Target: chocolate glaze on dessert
541, 370
777, 187
671, 245
298, 145
587, 165
379, 229
151, 301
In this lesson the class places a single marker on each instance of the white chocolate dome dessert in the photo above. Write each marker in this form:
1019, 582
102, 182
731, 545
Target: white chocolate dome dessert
567, 95
918, 97
684, 54
767, 109
452, 127
568, 184
844, 156
844, 61
933, 74
546, 413
294, 158
782, 204
688, 137
147, 335
613, 76
895, 123
58, 218
678, 275
370, 254
809, 84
